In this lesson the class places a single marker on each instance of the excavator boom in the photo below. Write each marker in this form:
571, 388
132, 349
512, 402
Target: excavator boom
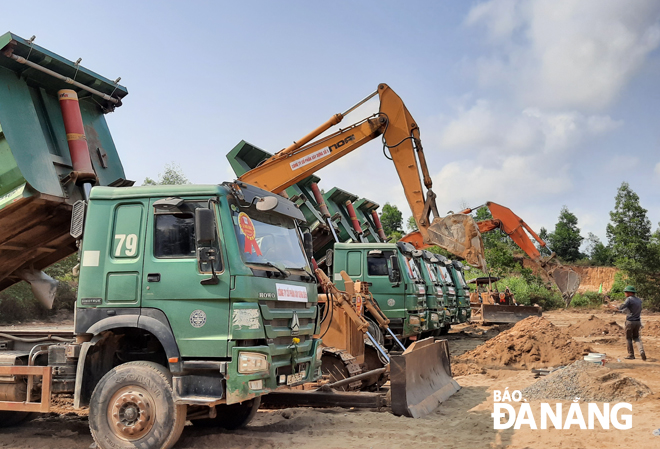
566, 280
457, 233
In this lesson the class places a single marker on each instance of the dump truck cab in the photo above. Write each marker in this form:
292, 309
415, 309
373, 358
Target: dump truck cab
435, 294
213, 280
395, 282
462, 291
442, 267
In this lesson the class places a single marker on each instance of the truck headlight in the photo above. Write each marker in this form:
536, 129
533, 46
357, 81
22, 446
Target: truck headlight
252, 362
414, 320
434, 317
319, 352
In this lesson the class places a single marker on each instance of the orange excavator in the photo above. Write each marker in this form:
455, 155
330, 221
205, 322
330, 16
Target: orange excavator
550, 269
457, 233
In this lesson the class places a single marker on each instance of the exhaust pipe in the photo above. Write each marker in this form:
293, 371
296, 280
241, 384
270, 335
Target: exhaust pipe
43, 286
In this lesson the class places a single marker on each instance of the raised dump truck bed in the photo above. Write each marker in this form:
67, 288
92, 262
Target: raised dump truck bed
37, 189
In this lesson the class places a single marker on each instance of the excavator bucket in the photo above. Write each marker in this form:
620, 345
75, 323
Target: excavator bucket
566, 280
459, 234
501, 314
420, 378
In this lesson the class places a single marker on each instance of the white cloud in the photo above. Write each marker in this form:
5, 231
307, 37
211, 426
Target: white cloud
657, 169
517, 179
484, 127
622, 164
570, 54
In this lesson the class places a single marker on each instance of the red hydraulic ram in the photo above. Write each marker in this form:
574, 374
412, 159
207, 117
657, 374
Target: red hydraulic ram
319, 200
379, 227
83, 172
353, 216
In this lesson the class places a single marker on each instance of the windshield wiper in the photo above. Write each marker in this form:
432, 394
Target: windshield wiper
285, 273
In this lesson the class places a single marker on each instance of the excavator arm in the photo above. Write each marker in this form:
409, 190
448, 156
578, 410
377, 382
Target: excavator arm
566, 279
458, 233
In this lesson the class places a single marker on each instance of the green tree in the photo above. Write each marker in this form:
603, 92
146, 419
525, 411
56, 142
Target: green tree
543, 233
391, 219
598, 253
629, 230
172, 175
635, 250
566, 238
412, 224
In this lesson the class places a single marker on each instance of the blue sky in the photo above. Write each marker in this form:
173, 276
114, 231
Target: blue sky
531, 104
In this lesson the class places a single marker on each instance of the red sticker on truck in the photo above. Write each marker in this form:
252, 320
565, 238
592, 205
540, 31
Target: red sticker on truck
247, 228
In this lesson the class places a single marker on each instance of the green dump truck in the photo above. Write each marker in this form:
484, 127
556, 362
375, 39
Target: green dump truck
395, 282
193, 301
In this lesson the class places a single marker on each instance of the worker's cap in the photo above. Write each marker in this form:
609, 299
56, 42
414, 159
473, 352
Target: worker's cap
630, 288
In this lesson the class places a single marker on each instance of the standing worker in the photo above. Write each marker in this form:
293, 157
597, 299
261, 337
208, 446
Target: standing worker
633, 321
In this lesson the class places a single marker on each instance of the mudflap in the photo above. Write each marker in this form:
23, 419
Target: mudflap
420, 378
496, 314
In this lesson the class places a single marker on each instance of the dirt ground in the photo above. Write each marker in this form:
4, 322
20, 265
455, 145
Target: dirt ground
463, 421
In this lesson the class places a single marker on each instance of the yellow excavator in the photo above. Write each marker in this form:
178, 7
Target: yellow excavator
422, 377
457, 233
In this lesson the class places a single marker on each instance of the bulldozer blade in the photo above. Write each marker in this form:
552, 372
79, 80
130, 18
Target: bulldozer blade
420, 378
566, 280
459, 234
497, 314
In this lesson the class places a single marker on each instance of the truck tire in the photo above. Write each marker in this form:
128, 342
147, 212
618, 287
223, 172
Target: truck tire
231, 417
8, 419
133, 407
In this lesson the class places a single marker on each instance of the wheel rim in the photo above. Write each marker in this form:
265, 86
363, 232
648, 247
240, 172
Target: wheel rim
131, 413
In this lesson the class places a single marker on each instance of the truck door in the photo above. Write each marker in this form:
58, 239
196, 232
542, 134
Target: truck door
389, 296
198, 314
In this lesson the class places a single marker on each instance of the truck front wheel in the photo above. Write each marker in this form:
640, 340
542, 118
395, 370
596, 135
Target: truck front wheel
133, 407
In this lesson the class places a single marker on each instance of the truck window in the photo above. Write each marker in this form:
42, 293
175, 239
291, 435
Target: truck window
174, 235
377, 264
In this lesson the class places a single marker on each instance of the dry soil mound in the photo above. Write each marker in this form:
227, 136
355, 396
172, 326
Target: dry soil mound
594, 327
651, 328
589, 382
532, 343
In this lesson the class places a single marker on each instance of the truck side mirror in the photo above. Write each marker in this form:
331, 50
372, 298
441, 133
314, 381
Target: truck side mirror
394, 272
309, 247
205, 236
204, 226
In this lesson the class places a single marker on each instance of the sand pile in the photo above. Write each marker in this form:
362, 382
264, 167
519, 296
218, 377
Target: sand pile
589, 382
532, 343
594, 327
651, 328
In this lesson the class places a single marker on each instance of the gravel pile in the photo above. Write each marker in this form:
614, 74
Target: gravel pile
589, 382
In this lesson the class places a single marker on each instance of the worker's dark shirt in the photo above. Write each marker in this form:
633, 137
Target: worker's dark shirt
634, 306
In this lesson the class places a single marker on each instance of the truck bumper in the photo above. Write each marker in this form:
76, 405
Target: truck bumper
285, 367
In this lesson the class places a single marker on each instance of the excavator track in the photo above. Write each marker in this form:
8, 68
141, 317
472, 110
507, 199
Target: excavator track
338, 364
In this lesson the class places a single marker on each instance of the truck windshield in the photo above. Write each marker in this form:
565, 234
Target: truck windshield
461, 278
431, 271
266, 238
413, 271
445, 275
